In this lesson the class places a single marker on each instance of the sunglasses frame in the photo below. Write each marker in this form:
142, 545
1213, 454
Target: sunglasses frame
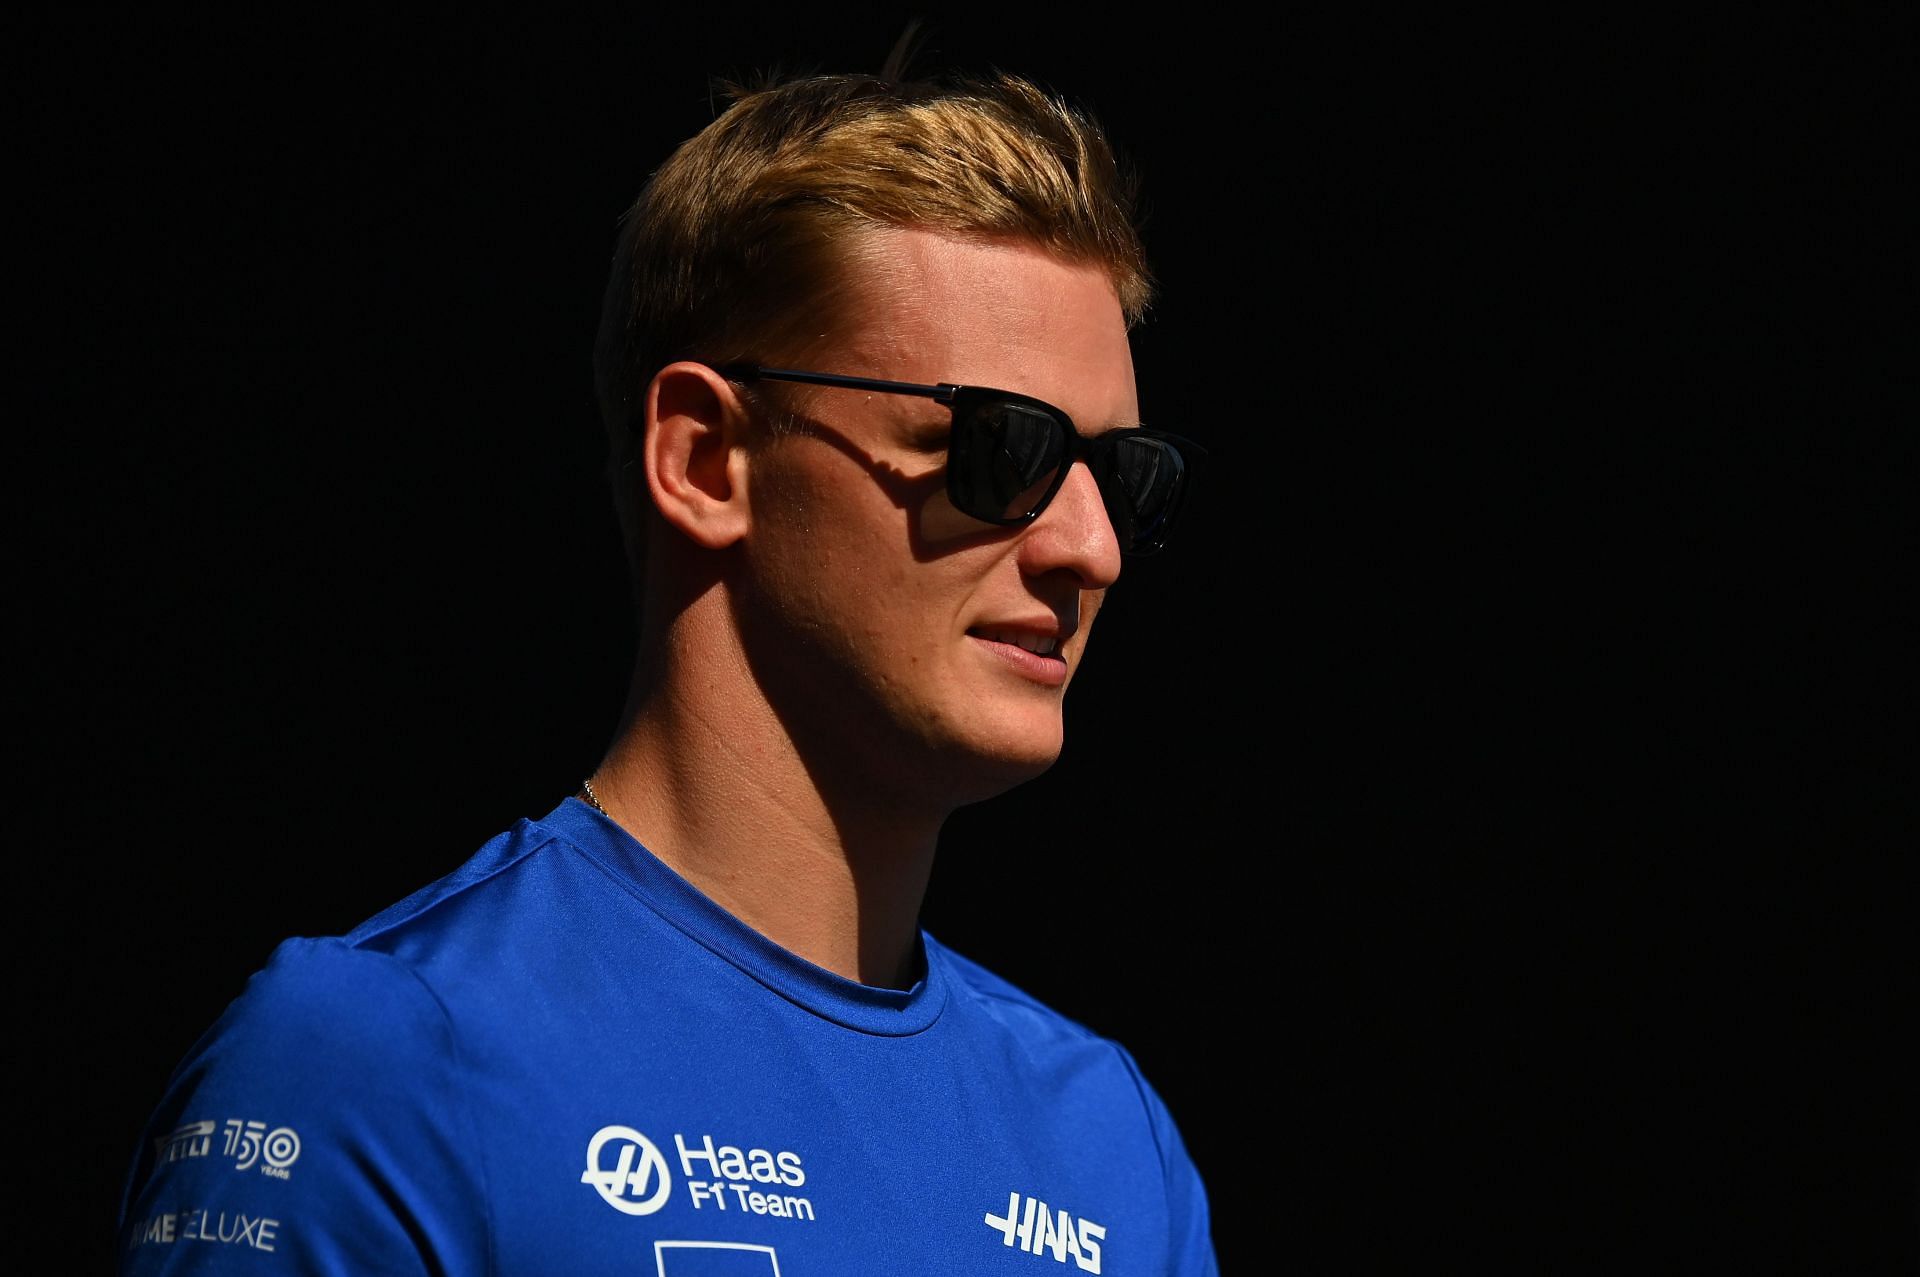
1093, 450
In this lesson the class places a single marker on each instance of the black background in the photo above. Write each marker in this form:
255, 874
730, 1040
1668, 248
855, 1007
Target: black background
1492, 829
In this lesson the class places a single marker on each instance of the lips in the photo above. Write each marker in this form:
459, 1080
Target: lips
1037, 643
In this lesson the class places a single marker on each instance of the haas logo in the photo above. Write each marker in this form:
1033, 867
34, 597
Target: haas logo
632, 1189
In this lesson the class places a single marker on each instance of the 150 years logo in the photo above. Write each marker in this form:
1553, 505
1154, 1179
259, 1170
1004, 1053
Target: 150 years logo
248, 1143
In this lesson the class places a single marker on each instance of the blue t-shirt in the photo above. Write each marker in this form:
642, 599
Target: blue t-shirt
563, 1058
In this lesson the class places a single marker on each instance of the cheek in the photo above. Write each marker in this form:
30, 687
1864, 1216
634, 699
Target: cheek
829, 555
834, 558
800, 509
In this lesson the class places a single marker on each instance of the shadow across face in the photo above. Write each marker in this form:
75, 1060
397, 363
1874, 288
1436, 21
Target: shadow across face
935, 528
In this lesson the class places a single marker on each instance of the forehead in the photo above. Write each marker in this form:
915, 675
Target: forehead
930, 307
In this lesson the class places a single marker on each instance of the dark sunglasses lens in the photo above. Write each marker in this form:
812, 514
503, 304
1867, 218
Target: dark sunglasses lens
1002, 459
1141, 483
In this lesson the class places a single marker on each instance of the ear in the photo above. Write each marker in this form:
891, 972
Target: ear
694, 454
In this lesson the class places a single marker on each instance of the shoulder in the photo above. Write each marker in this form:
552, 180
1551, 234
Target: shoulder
991, 993
987, 993
322, 1000
329, 1104
388, 992
321, 1022
325, 1031
322, 1116
1041, 1032
1047, 1042
493, 877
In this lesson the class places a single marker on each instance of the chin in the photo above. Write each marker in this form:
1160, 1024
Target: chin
1014, 753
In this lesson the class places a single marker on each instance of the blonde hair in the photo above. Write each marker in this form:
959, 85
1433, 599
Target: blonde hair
743, 244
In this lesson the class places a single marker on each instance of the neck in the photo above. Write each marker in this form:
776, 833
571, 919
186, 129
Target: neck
804, 853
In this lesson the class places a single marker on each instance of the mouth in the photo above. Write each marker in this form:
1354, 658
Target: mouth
1027, 640
1033, 650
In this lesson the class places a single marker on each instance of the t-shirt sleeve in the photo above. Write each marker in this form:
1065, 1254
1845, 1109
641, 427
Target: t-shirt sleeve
318, 1127
1189, 1224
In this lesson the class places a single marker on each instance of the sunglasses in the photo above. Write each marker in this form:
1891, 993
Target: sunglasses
1008, 454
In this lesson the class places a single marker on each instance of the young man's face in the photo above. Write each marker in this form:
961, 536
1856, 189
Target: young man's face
886, 624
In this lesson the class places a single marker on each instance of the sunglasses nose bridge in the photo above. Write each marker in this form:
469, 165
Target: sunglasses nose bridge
1098, 453
1074, 526
1077, 448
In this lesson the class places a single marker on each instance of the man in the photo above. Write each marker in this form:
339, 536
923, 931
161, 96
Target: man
877, 451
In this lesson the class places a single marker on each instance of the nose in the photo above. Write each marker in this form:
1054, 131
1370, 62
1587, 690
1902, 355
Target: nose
1074, 533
